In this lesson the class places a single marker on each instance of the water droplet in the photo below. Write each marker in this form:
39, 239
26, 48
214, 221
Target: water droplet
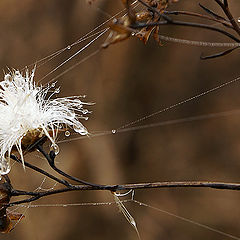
68, 47
17, 73
83, 96
78, 101
4, 167
55, 148
114, 131
67, 133
7, 77
53, 84
133, 33
80, 129
85, 118
71, 115
57, 90
238, 19
85, 111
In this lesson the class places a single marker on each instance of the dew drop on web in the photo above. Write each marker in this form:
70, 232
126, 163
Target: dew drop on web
4, 167
68, 47
114, 131
81, 130
8, 77
78, 101
85, 111
238, 20
57, 90
67, 133
55, 148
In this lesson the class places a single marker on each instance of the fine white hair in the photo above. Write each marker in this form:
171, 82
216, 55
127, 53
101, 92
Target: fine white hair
26, 107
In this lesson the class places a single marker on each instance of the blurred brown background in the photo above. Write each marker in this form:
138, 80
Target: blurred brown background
128, 81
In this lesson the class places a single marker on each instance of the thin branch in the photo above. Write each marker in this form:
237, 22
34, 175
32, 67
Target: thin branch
216, 16
222, 21
188, 24
216, 55
134, 186
199, 43
227, 12
51, 160
220, 3
39, 170
154, 10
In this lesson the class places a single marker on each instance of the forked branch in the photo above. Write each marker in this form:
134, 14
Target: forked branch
142, 24
135, 186
87, 186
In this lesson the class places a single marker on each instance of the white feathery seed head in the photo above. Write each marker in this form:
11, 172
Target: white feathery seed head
28, 112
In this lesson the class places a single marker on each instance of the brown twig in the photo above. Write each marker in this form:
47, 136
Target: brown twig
186, 24
185, 184
166, 20
227, 21
193, 14
225, 8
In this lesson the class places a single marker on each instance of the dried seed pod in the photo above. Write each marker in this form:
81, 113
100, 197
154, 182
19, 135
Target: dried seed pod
6, 217
5, 223
29, 111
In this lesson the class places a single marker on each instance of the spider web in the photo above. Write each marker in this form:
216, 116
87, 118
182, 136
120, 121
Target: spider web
130, 125
123, 203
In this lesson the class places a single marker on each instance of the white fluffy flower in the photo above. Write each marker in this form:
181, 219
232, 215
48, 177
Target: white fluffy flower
27, 113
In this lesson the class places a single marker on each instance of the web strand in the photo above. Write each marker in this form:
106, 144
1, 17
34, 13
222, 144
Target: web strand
127, 127
188, 220
54, 55
198, 43
180, 103
139, 203
94, 134
81, 39
74, 55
